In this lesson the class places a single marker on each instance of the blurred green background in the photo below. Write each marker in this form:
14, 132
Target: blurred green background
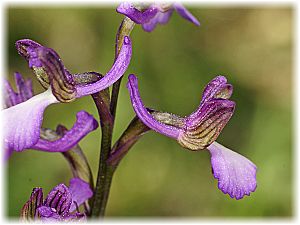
252, 46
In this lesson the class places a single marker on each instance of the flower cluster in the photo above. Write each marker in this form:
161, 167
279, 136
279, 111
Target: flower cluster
59, 205
23, 116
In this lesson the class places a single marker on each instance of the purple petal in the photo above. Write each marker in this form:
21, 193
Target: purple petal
204, 126
60, 199
80, 191
160, 18
47, 62
116, 72
127, 9
24, 87
24, 91
183, 12
10, 97
29, 210
47, 214
144, 115
217, 88
236, 174
25, 46
85, 124
209, 109
22, 122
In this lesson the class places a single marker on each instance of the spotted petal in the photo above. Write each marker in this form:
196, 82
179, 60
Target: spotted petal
236, 174
80, 191
22, 122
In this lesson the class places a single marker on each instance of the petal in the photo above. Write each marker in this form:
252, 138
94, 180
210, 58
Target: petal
143, 113
22, 122
183, 12
25, 46
116, 72
47, 62
47, 214
160, 18
236, 174
80, 191
85, 124
217, 88
24, 87
29, 210
60, 199
128, 9
24, 91
204, 125
10, 96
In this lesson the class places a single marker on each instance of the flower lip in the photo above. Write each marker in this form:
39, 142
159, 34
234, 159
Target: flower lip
25, 131
236, 174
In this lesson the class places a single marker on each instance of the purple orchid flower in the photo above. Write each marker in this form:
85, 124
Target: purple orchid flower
60, 205
23, 103
22, 132
155, 14
236, 174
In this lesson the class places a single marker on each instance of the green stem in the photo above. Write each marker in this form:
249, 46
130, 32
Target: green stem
101, 191
107, 111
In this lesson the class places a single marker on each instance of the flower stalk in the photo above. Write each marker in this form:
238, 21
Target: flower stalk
107, 112
101, 191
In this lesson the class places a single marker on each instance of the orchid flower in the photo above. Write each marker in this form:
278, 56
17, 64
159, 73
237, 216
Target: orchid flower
155, 14
236, 174
22, 121
60, 205
15, 124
